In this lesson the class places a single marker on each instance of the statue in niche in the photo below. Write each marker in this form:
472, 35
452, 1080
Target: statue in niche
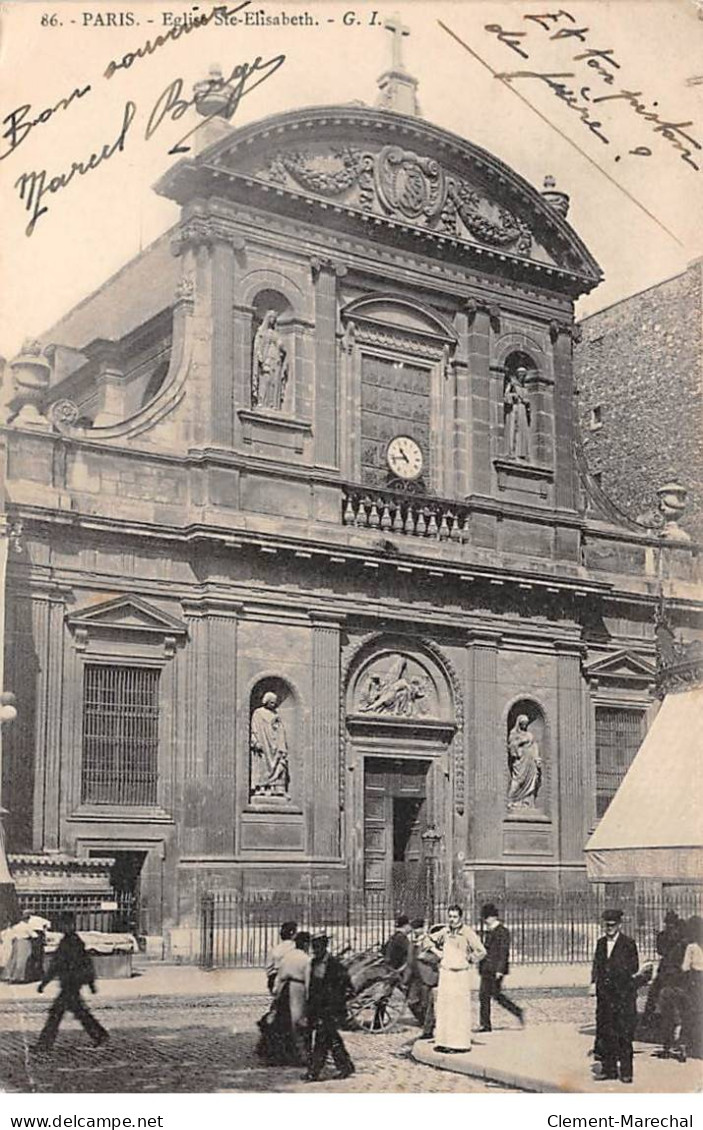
525, 765
270, 774
394, 693
516, 402
269, 374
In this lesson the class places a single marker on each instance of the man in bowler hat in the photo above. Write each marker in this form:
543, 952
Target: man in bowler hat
494, 967
615, 964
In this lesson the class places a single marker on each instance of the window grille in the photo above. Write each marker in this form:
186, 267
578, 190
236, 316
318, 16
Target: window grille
619, 733
120, 735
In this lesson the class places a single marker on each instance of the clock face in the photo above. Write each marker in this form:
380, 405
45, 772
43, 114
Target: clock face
404, 457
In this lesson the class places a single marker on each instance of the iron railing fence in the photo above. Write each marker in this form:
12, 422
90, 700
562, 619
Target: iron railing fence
110, 913
238, 930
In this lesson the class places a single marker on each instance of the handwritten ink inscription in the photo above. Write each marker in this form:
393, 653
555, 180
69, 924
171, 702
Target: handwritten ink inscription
582, 90
36, 186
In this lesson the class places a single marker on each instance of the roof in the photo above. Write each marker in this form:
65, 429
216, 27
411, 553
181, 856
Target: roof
653, 827
141, 289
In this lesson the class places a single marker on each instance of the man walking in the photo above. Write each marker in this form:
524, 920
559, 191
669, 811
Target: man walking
327, 1009
73, 968
285, 945
615, 964
494, 968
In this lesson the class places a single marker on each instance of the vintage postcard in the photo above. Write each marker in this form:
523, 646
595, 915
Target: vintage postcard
350, 587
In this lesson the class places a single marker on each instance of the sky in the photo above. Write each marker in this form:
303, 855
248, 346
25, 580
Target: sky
636, 197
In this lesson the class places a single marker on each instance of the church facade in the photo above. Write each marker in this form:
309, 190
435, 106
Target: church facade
313, 581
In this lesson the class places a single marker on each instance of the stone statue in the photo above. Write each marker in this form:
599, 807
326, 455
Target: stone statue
525, 765
270, 775
517, 414
269, 374
394, 693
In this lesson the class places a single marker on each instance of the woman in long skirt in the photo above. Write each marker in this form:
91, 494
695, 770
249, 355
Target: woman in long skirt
459, 948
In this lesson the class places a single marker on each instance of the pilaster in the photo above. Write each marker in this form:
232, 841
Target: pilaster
326, 397
325, 832
573, 815
478, 334
223, 267
564, 422
487, 755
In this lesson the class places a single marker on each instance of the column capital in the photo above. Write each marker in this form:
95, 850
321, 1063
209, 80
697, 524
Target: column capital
484, 637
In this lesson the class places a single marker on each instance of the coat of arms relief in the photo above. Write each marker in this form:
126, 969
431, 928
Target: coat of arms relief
402, 185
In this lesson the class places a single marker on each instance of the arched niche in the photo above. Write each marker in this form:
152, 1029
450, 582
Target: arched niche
274, 734
528, 761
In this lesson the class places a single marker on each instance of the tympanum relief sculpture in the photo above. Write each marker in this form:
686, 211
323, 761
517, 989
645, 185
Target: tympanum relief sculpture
396, 686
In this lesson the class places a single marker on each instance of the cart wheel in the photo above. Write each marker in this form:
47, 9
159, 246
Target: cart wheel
377, 1014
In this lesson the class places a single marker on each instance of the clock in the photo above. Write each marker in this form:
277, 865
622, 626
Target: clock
404, 458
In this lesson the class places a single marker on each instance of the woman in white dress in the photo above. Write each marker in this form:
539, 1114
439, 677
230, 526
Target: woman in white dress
459, 947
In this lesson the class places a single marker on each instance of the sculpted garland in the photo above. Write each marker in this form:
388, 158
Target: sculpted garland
403, 185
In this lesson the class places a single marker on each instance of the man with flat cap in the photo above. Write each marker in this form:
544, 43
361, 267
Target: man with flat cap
615, 964
329, 990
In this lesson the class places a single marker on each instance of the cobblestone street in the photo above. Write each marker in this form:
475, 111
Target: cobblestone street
207, 1044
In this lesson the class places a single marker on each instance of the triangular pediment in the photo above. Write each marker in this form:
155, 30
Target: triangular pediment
621, 665
400, 177
126, 613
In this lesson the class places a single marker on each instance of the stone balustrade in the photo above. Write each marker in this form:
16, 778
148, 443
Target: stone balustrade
412, 515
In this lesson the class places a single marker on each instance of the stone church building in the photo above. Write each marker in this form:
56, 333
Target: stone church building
313, 582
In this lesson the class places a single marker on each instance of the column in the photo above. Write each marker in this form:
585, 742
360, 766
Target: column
326, 398
572, 753
325, 735
487, 804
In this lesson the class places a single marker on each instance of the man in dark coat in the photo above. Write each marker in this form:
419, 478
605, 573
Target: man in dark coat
73, 968
615, 964
423, 979
330, 988
493, 968
397, 949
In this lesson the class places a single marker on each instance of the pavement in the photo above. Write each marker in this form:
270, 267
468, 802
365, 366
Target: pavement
157, 979
180, 1028
556, 1058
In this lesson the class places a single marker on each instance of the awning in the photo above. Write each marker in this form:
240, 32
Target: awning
653, 827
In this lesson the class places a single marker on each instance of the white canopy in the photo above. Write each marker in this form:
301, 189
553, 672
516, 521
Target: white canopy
653, 827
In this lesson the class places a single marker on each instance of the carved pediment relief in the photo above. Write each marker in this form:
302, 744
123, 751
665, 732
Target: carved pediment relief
403, 185
124, 614
621, 666
396, 686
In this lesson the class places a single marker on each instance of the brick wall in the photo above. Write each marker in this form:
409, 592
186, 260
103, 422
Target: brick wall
640, 364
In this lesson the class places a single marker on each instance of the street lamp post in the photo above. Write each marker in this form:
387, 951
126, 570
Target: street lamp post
431, 840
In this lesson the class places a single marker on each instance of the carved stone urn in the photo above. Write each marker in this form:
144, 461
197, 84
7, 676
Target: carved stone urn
672, 505
31, 375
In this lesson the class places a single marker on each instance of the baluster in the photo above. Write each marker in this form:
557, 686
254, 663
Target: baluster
374, 520
455, 532
421, 527
386, 522
398, 520
349, 512
361, 513
432, 525
443, 527
409, 520
465, 528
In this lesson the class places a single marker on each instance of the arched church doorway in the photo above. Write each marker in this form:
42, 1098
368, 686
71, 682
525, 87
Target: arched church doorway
400, 727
